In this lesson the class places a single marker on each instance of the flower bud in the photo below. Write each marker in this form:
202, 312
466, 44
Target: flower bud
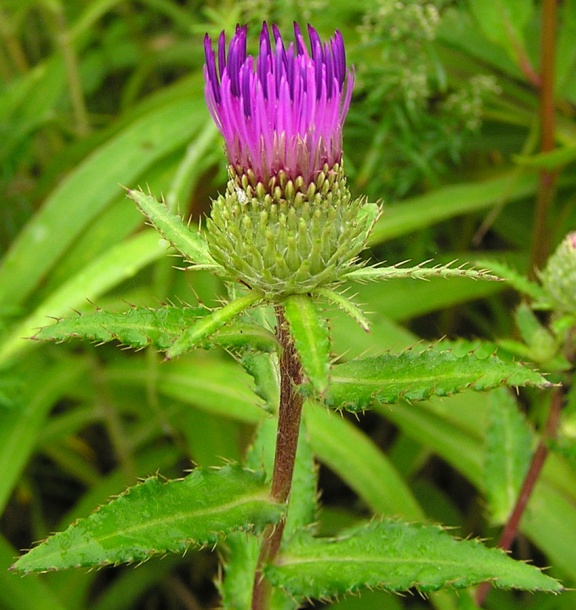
559, 276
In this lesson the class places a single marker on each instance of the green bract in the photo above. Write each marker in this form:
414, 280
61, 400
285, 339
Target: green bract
287, 237
559, 276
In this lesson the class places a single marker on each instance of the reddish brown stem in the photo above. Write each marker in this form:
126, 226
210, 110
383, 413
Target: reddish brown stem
289, 416
547, 181
511, 529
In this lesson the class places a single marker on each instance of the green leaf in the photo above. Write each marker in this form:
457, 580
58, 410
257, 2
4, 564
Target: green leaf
503, 22
17, 593
398, 557
160, 517
90, 189
203, 330
516, 280
139, 327
449, 201
242, 550
508, 453
192, 246
116, 264
264, 371
419, 272
346, 305
358, 461
413, 375
310, 333
213, 385
21, 427
551, 160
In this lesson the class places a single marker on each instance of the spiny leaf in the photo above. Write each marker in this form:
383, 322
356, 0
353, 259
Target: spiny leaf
346, 305
413, 375
172, 227
136, 327
516, 280
139, 327
508, 453
420, 272
204, 329
264, 371
369, 213
160, 517
310, 333
240, 550
397, 557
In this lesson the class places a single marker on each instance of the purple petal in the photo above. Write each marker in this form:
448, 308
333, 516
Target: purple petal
283, 110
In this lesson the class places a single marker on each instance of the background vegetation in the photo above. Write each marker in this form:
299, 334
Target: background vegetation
462, 123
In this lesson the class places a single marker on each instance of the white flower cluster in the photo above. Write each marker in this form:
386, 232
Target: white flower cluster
468, 102
396, 20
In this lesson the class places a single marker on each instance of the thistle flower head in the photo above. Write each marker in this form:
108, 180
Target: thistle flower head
282, 111
559, 275
287, 223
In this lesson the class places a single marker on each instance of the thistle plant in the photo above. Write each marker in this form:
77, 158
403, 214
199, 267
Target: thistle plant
286, 236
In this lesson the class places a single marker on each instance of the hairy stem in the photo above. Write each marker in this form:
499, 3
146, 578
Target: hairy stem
289, 415
547, 180
532, 476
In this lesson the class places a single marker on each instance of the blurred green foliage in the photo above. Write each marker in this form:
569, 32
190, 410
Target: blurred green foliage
444, 128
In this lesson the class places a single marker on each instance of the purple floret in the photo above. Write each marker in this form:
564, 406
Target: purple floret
284, 110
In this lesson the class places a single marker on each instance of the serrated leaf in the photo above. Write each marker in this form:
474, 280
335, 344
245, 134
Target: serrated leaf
136, 327
172, 227
310, 333
117, 264
139, 327
413, 375
264, 371
508, 453
346, 305
419, 272
160, 517
240, 335
516, 280
369, 213
397, 557
241, 550
204, 329
303, 496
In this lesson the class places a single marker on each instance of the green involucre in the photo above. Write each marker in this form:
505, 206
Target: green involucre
284, 238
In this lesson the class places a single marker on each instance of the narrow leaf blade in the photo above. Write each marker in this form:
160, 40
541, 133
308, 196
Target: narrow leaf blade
204, 329
117, 264
310, 333
347, 306
508, 453
515, 279
157, 517
413, 375
136, 327
172, 228
140, 327
397, 557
